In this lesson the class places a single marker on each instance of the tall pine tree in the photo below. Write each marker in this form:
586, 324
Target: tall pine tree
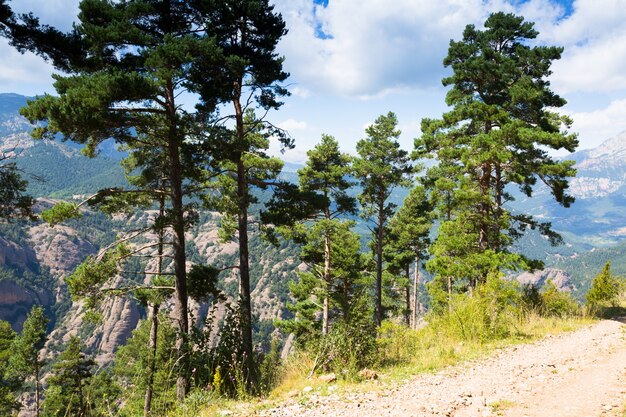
25, 358
381, 166
498, 134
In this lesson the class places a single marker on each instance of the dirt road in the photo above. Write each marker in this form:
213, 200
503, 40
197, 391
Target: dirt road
578, 374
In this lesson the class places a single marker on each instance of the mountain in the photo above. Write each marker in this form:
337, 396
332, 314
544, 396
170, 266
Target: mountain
597, 217
54, 168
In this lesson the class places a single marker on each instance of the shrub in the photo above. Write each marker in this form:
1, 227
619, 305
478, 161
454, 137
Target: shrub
348, 348
557, 303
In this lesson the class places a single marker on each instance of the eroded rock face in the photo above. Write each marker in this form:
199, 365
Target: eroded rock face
13, 255
120, 318
16, 301
59, 248
559, 277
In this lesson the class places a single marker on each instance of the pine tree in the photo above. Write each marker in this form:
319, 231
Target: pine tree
142, 369
249, 75
380, 167
342, 294
408, 241
497, 135
9, 382
66, 394
605, 288
25, 358
245, 168
125, 66
314, 210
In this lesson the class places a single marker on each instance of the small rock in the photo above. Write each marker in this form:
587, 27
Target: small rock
328, 378
226, 413
607, 407
368, 374
293, 393
307, 389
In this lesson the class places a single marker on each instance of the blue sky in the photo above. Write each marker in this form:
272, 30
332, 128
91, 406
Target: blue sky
352, 60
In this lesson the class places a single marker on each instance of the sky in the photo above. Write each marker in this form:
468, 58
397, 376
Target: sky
353, 60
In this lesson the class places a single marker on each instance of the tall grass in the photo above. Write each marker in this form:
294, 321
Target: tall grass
498, 314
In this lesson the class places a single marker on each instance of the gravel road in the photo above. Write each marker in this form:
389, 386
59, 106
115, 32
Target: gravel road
577, 374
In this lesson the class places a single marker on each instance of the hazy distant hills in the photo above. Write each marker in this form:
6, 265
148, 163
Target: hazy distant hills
598, 217
54, 168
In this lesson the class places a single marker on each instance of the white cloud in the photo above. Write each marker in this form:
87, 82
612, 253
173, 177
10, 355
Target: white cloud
594, 37
300, 92
596, 126
373, 49
291, 125
25, 74
57, 13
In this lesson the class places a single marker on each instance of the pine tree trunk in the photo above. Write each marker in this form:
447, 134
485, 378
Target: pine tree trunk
416, 281
326, 275
244, 273
379, 264
154, 329
407, 294
244, 258
180, 274
147, 406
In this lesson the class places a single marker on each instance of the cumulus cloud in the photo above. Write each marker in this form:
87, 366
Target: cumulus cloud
594, 37
367, 47
25, 74
292, 125
370, 48
58, 13
598, 125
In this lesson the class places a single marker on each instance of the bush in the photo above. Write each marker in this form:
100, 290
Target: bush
490, 313
348, 348
397, 342
555, 303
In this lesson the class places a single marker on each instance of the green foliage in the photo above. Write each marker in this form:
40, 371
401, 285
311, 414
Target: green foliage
347, 284
25, 361
605, 289
555, 303
407, 242
380, 167
348, 347
74, 389
60, 212
9, 382
202, 281
227, 355
132, 364
87, 280
490, 313
13, 199
270, 369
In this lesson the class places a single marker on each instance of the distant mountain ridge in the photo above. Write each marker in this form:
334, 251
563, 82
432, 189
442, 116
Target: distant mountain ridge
54, 168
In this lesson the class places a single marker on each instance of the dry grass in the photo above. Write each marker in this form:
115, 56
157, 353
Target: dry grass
406, 354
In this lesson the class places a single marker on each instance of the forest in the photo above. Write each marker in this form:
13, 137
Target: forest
438, 264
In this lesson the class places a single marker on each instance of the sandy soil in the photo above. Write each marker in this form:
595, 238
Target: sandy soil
578, 374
